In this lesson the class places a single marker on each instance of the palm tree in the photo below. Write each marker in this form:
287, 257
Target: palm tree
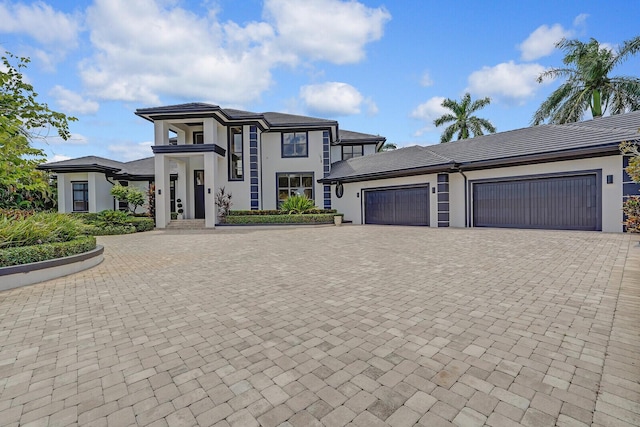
588, 85
463, 122
389, 146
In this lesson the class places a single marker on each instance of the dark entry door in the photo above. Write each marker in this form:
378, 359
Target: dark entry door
397, 206
561, 203
198, 192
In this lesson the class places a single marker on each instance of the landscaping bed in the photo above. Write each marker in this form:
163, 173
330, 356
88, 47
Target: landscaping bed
323, 218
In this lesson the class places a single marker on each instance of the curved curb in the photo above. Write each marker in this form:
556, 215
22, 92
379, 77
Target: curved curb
16, 276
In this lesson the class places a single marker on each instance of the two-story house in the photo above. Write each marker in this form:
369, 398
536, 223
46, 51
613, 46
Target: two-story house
260, 158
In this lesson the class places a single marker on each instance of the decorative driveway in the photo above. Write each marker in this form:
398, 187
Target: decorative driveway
351, 325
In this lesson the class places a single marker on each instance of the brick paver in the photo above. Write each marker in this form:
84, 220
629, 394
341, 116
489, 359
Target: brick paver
358, 326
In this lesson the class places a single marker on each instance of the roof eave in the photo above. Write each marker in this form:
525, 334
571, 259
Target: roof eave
390, 174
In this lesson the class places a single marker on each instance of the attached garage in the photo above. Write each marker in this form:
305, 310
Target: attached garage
565, 202
397, 206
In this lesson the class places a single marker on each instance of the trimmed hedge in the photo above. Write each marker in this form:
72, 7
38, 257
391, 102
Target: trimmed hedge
142, 223
46, 251
109, 230
279, 212
324, 218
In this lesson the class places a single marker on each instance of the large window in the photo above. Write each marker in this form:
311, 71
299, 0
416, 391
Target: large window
349, 151
290, 184
80, 196
235, 154
294, 144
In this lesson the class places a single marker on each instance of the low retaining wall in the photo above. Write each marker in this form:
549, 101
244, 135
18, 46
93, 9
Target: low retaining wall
36, 272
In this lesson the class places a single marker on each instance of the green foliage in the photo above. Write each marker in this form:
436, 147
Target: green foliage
631, 149
108, 230
39, 228
278, 212
280, 219
463, 122
23, 118
132, 195
16, 214
589, 86
631, 209
46, 251
297, 204
142, 224
108, 218
389, 146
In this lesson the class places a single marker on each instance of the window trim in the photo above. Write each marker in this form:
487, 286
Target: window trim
352, 146
313, 184
195, 136
306, 138
85, 191
230, 151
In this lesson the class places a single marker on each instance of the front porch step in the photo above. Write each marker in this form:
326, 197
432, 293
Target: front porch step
186, 224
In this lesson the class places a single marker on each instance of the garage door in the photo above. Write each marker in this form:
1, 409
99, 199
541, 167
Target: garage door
561, 203
397, 206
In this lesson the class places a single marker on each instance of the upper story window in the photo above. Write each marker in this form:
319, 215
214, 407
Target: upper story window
235, 154
349, 151
294, 144
80, 191
198, 137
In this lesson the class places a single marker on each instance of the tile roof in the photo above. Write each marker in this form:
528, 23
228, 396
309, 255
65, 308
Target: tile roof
602, 135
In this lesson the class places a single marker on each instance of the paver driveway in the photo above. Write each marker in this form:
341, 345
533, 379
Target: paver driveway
331, 326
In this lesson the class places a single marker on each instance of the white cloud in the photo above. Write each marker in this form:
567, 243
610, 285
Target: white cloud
330, 30
58, 158
542, 41
429, 111
332, 99
580, 20
426, 79
508, 80
372, 107
54, 29
127, 151
146, 50
72, 103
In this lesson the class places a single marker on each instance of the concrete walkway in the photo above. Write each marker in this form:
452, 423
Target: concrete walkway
351, 325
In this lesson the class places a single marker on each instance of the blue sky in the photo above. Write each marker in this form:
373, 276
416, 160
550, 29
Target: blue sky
377, 67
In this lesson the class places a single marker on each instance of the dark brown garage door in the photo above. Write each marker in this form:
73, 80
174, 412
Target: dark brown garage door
560, 203
397, 206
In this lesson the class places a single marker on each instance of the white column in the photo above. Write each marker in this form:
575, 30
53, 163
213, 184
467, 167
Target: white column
62, 185
161, 132
210, 208
93, 190
162, 190
210, 131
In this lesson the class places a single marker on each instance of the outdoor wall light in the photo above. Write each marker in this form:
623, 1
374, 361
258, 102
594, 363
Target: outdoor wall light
159, 192
609, 179
433, 190
208, 190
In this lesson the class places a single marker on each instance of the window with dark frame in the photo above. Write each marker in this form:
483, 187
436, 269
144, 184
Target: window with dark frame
291, 184
235, 154
350, 151
198, 137
294, 144
80, 191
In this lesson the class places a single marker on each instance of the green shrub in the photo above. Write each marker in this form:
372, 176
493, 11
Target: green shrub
38, 228
46, 251
16, 214
297, 204
631, 209
280, 219
109, 218
277, 212
142, 223
108, 230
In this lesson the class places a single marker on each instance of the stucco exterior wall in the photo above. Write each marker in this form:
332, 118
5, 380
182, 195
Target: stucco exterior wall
350, 204
240, 190
272, 162
611, 193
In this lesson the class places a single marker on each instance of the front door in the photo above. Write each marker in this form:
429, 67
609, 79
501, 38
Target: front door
198, 192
